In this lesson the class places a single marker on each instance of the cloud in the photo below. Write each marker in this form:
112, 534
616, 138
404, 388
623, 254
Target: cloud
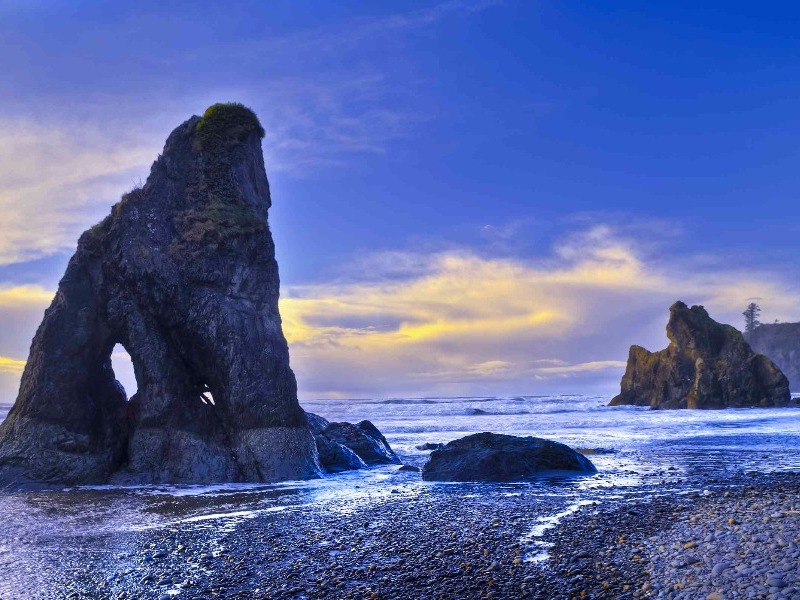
11, 365
456, 321
57, 179
25, 296
322, 100
587, 367
53, 178
322, 121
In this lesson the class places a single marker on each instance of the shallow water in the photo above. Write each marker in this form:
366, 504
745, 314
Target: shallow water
642, 452
643, 440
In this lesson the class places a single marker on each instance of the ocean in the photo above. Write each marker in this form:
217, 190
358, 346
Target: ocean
637, 452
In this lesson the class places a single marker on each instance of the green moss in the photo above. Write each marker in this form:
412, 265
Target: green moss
93, 236
225, 123
219, 221
218, 214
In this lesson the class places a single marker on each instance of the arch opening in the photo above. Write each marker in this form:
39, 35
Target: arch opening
122, 364
206, 397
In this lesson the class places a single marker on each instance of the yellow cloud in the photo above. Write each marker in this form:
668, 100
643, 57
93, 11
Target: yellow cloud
459, 296
23, 296
11, 365
464, 297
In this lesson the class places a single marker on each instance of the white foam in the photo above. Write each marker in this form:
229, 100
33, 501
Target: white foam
544, 523
248, 514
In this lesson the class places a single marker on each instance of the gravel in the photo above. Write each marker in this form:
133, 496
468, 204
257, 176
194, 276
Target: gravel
738, 539
733, 538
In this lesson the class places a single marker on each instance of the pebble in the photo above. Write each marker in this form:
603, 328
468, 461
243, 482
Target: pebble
775, 581
719, 568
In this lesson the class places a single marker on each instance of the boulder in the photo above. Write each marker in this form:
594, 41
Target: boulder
496, 457
706, 365
182, 273
344, 446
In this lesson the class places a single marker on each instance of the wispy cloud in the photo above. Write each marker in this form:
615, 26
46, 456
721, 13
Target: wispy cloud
324, 122
587, 367
321, 101
53, 177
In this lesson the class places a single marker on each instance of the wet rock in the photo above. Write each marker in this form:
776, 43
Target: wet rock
182, 273
706, 365
410, 468
595, 451
429, 446
344, 446
496, 457
365, 440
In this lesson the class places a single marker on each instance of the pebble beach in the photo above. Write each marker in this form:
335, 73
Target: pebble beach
732, 539
680, 508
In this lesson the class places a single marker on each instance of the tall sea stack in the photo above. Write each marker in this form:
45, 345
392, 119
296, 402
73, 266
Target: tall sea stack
182, 273
706, 365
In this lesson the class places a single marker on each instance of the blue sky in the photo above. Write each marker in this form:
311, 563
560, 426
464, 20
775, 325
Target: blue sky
469, 197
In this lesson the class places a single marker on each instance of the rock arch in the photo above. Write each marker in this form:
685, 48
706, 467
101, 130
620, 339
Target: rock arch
182, 273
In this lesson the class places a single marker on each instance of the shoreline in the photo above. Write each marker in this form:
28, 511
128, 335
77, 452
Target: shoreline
465, 541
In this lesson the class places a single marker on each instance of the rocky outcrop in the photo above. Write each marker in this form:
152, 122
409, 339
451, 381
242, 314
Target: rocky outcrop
496, 457
781, 342
182, 273
345, 447
706, 365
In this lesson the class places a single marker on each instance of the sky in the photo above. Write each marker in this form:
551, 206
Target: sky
470, 197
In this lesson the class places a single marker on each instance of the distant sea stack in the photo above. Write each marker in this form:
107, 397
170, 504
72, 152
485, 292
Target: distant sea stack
706, 365
182, 273
781, 342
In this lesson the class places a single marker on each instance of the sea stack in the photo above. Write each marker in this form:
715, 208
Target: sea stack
182, 273
706, 365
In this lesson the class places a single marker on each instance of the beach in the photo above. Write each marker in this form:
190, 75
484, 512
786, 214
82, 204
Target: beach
654, 522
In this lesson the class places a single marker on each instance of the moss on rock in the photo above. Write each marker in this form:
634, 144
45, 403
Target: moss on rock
225, 123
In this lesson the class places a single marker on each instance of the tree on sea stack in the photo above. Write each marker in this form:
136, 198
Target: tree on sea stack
751, 321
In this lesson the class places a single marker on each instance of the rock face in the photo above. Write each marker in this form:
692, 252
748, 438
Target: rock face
781, 342
706, 365
496, 457
344, 446
182, 273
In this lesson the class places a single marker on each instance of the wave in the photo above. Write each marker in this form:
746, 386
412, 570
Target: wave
406, 401
479, 412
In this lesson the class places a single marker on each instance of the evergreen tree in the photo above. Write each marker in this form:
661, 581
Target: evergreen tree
750, 314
